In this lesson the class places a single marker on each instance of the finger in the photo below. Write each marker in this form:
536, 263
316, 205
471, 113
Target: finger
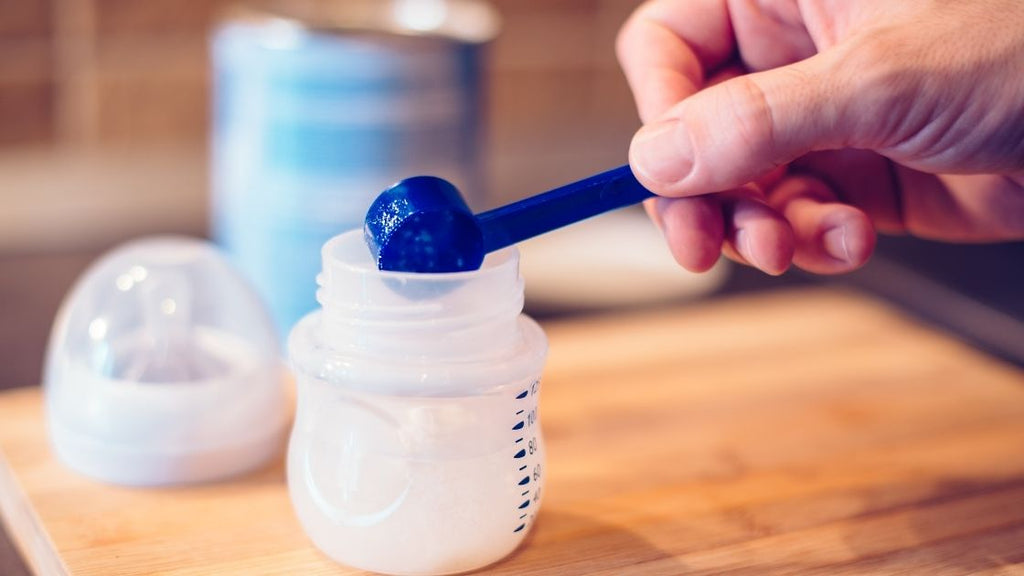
727, 72
735, 132
756, 234
830, 237
693, 229
863, 179
962, 207
770, 34
667, 46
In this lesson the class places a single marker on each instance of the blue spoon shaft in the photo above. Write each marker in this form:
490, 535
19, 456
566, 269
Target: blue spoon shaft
562, 206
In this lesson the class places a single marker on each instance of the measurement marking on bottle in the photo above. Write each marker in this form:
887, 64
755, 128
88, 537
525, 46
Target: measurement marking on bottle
526, 424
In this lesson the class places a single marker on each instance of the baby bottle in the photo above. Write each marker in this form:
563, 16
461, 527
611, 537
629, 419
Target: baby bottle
417, 446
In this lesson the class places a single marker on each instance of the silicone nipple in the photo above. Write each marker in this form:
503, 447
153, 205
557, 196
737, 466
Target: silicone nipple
167, 349
162, 368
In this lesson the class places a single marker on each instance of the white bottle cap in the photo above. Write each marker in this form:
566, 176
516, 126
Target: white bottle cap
163, 368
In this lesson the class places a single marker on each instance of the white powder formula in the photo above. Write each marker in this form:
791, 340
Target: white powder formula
417, 447
433, 486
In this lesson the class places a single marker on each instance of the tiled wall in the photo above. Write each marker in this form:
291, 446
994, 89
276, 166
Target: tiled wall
26, 71
133, 72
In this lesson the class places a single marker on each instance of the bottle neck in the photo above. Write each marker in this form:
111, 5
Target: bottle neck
467, 316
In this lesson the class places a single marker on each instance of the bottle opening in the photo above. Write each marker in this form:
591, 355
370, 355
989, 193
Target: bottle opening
362, 304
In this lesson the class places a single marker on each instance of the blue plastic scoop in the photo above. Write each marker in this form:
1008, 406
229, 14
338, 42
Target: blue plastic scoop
422, 224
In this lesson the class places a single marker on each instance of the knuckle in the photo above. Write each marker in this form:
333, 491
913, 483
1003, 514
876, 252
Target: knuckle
627, 34
754, 121
623, 40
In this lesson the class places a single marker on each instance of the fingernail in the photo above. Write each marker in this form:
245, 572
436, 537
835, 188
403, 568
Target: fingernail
837, 245
662, 152
746, 249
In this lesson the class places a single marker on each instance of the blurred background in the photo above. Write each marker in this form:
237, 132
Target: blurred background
105, 112
105, 115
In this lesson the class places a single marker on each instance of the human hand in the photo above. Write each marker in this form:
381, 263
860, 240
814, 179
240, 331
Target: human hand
788, 131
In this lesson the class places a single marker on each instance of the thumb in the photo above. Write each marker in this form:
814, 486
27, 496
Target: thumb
734, 132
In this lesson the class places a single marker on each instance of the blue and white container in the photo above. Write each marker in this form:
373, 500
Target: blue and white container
318, 106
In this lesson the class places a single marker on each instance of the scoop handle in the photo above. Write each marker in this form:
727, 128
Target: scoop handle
562, 206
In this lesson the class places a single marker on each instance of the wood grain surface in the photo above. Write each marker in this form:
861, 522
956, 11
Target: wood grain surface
802, 432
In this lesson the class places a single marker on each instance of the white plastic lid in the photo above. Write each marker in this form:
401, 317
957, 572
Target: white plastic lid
163, 367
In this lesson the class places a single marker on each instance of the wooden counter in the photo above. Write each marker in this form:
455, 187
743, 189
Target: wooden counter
803, 432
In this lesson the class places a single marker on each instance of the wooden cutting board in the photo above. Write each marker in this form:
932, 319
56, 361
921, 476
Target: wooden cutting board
803, 432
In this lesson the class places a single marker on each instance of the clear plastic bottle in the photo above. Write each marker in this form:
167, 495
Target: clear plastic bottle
417, 446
